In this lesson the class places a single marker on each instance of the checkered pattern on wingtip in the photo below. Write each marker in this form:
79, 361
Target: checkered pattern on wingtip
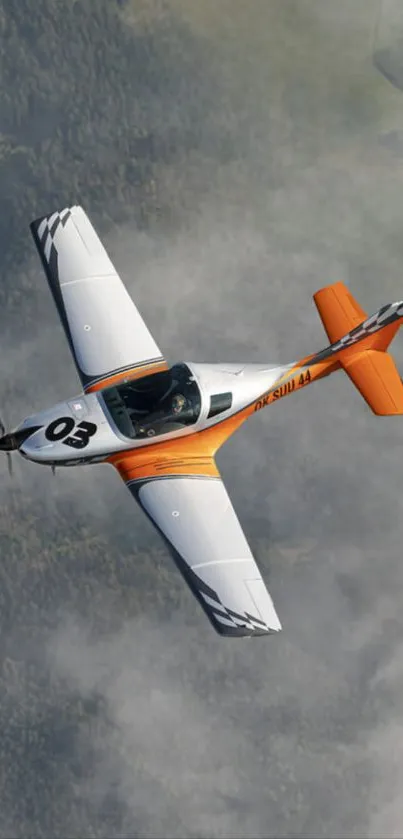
46, 229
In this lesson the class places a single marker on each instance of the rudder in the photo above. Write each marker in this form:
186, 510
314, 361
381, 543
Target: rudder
359, 343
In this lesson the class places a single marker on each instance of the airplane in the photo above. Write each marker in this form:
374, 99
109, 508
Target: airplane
161, 426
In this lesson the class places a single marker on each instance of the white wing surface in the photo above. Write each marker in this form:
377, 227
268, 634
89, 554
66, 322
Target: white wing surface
107, 336
200, 526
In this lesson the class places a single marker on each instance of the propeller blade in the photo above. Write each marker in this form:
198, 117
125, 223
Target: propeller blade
11, 441
8, 453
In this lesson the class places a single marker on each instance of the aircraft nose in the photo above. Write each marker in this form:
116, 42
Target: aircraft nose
8, 443
12, 441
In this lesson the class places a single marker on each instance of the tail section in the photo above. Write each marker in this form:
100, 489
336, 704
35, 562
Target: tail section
359, 344
338, 310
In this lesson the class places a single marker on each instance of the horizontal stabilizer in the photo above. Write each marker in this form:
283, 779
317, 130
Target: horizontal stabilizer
339, 311
376, 376
359, 345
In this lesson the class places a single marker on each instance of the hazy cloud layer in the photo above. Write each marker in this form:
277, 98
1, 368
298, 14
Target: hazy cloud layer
186, 734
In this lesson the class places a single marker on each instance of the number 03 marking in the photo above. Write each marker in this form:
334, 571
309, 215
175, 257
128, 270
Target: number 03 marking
61, 428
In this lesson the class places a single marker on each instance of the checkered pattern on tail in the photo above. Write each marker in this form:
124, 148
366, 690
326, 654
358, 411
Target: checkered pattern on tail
385, 316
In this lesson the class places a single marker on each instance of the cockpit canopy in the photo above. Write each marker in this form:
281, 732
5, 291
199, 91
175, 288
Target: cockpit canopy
155, 404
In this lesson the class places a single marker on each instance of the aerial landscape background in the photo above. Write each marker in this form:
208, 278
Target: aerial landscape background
234, 156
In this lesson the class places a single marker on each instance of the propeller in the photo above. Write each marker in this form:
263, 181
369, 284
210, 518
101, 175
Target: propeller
12, 440
7, 440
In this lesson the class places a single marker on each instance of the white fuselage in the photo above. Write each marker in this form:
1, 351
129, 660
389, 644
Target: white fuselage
82, 429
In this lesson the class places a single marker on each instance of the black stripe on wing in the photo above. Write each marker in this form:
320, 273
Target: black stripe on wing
51, 268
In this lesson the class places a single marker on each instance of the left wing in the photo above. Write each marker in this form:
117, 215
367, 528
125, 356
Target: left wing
107, 335
195, 516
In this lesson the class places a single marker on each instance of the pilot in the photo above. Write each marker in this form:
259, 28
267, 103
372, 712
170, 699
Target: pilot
178, 403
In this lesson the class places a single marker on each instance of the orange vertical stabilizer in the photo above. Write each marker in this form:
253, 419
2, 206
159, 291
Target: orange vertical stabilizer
360, 342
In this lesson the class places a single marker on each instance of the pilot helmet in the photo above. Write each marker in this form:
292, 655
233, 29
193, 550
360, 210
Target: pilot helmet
178, 403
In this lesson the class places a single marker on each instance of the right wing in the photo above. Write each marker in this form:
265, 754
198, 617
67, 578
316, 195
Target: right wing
107, 335
195, 516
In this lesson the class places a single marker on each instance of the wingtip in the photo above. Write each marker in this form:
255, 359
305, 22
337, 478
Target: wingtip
275, 624
34, 224
67, 210
246, 631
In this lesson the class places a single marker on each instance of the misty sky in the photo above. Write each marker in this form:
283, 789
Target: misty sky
296, 182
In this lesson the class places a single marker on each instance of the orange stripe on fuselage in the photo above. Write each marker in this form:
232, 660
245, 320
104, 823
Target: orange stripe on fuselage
194, 454
190, 455
165, 459
128, 375
298, 377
